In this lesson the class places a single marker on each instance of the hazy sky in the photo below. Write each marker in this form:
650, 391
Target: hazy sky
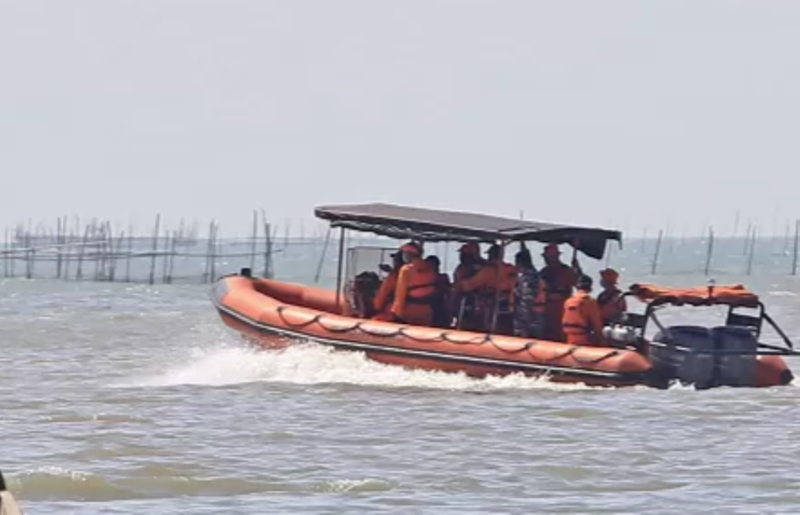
626, 112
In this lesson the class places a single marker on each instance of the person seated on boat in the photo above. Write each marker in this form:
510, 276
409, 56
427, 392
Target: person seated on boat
441, 304
361, 299
464, 304
581, 322
415, 291
385, 297
612, 303
560, 280
494, 284
530, 295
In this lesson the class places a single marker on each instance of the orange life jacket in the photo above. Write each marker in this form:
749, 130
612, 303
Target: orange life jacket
465, 271
422, 283
501, 284
560, 280
574, 322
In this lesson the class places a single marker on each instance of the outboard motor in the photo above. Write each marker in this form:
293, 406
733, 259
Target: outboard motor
685, 353
723, 356
736, 363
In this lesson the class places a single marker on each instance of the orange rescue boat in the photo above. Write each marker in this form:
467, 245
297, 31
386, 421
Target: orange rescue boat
275, 314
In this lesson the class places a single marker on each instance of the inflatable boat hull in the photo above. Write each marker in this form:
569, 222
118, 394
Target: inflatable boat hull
275, 314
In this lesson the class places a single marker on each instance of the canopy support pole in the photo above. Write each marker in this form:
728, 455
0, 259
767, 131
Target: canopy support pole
340, 266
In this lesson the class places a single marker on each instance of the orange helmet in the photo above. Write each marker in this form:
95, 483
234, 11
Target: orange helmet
412, 248
610, 275
470, 248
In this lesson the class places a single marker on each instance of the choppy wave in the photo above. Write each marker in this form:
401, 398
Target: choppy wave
54, 483
308, 363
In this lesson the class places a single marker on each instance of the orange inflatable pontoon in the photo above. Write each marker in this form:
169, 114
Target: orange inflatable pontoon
264, 309
275, 314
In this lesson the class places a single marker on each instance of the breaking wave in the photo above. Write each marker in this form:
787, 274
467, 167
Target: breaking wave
309, 363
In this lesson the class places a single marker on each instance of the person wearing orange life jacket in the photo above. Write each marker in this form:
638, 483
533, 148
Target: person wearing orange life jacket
530, 295
581, 322
560, 280
494, 284
385, 296
612, 303
416, 288
463, 305
441, 305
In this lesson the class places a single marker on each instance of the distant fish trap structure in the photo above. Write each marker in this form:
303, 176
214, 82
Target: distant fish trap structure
95, 252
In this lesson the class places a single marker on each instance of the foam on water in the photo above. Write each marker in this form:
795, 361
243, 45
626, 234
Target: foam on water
308, 363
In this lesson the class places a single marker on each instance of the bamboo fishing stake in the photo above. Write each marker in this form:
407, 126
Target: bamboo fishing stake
654, 266
98, 236
786, 239
322, 256
268, 239
156, 230
254, 241
129, 254
59, 243
752, 250
207, 272
165, 261
213, 274
747, 238
709, 250
173, 252
81, 251
28, 261
69, 247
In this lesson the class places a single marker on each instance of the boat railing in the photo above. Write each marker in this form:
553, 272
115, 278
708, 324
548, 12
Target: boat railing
639, 322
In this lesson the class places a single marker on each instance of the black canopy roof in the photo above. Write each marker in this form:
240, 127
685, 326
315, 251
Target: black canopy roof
437, 225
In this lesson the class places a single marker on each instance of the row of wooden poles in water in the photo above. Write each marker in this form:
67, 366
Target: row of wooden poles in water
749, 249
96, 252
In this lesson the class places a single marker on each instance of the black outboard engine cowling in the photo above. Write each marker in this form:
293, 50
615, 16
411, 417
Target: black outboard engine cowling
723, 356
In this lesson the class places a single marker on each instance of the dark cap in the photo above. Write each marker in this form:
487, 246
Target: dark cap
495, 251
584, 282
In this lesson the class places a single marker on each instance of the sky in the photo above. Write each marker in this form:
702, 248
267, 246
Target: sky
627, 114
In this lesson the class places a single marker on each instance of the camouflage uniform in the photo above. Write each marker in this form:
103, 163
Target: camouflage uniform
527, 322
